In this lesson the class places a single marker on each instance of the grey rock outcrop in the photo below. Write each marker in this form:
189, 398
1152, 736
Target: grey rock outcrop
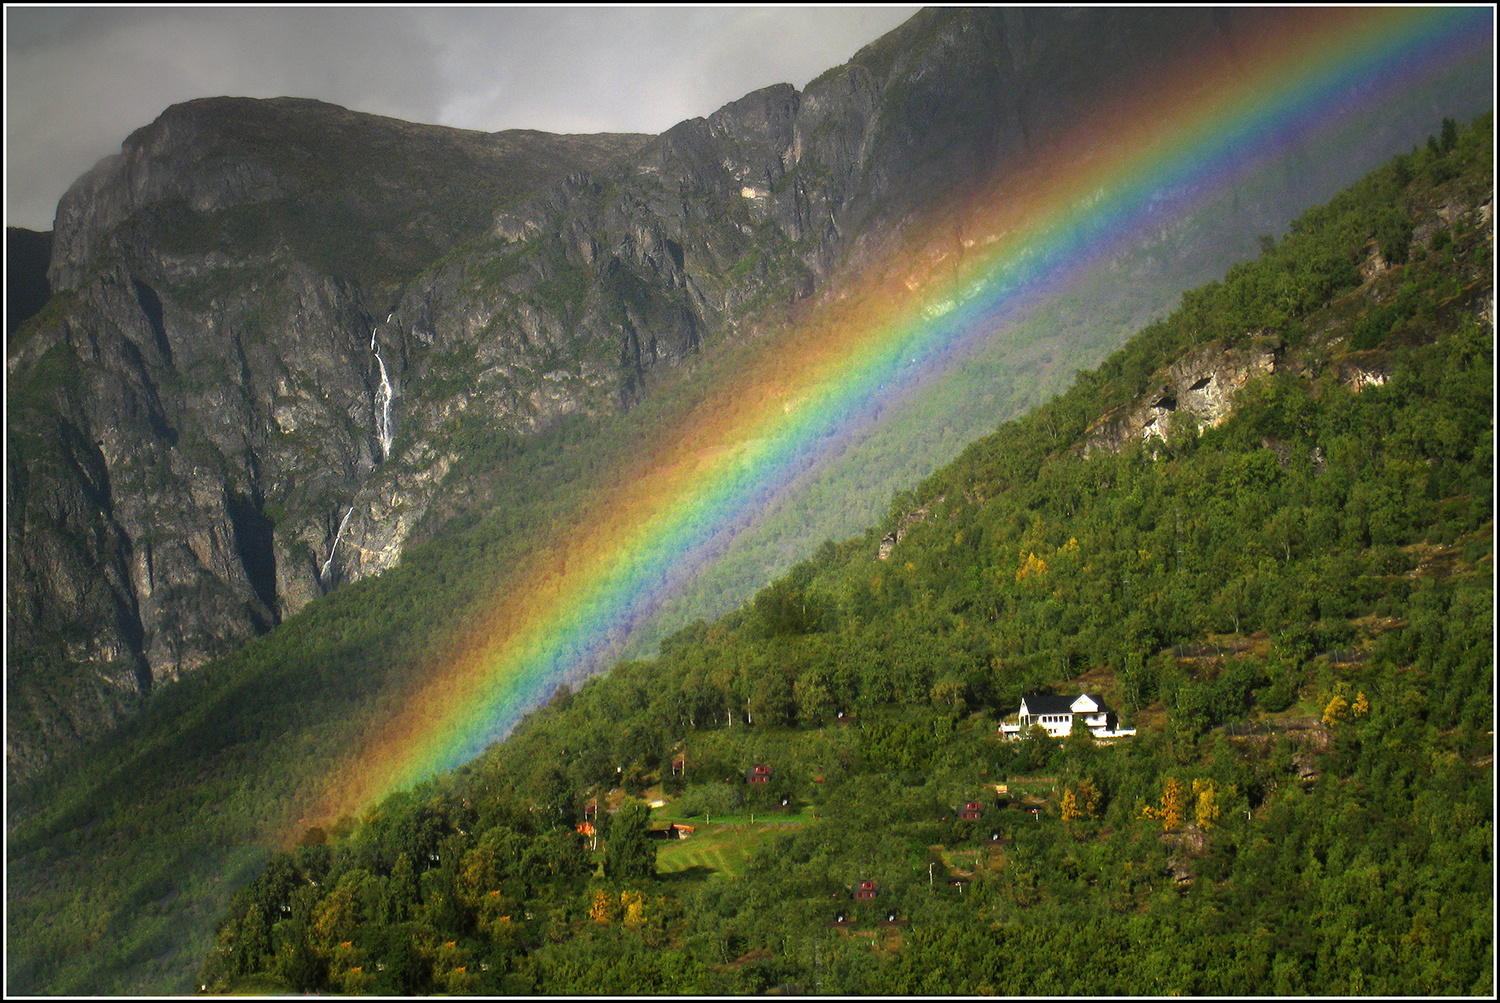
1200, 387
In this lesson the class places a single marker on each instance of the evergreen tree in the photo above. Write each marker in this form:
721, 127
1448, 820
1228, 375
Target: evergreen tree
629, 855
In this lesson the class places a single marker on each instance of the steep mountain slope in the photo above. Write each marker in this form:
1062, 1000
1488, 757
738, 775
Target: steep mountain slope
1263, 530
121, 861
211, 423
198, 396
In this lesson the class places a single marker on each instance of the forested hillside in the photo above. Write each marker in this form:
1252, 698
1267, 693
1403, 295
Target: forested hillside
1284, 583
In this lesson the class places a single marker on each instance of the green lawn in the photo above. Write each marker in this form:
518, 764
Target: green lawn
719, 847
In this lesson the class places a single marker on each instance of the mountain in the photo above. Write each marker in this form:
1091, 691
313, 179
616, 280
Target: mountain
188, 404
279, 330
211, 425
1262, 532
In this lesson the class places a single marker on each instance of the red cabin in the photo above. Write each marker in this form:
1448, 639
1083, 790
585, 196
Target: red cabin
866, 890
760, 775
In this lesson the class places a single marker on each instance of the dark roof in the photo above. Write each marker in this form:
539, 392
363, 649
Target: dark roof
1052, 703
1049, 703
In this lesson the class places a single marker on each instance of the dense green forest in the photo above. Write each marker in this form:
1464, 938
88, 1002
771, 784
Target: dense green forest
1293, 606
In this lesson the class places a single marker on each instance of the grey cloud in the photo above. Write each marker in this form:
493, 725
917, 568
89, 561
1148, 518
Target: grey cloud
79, 81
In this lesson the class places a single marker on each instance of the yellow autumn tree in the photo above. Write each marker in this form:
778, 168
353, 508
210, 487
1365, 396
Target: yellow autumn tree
633, 906
1336, 710
336, 919
1206, 805
603, 909
1070, 806
1032, 566
1361, 706
1173, 804
492, 916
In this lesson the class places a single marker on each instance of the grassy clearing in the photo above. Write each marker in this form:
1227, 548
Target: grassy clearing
721, 847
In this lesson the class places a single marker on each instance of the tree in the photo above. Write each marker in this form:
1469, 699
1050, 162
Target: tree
253, 946
1087, 798
399, 903
629, 853
1069, 806
603, 908
1034, 751
815, 704
1206, 810
1079, 744
338, 917
1449, 136
632, 908
951, 694
1173, 805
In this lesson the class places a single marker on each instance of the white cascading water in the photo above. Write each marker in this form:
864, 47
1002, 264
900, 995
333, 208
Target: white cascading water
323, 575
383, 428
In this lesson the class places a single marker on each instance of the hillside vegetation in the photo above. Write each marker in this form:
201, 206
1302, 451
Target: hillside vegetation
1291, 603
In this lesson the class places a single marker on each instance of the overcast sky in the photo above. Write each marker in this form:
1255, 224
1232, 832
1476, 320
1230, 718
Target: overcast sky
78, 81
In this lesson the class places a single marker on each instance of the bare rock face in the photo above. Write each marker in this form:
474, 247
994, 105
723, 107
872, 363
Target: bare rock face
889, 541
208, 396
1200, 386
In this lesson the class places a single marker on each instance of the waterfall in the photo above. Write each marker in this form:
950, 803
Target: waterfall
383, 426
323, 575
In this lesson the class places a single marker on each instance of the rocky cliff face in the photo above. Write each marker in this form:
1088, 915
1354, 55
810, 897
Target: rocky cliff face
275, 322
1199, 389
200, 406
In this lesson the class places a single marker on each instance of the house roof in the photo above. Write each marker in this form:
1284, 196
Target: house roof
1046, 703
1051, 703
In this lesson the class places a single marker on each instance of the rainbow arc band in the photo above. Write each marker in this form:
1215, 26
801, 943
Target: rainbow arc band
1039, 229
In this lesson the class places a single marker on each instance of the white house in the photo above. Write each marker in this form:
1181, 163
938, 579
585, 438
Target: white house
1056, 713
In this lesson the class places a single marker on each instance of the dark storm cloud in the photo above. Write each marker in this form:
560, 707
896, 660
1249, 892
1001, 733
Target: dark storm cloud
79, 81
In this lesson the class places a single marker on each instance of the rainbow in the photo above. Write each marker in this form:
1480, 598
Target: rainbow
802, 396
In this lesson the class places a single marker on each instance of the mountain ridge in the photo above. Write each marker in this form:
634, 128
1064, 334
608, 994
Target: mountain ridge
282, 525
